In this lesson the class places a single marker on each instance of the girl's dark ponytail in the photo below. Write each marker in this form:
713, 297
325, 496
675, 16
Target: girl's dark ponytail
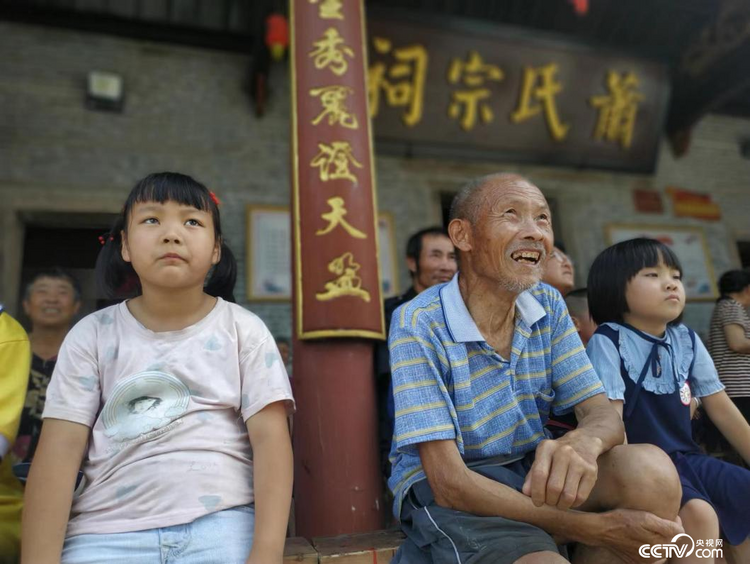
115, 278
223, 276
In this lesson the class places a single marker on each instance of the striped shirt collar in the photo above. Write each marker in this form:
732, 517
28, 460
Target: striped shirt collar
461, 325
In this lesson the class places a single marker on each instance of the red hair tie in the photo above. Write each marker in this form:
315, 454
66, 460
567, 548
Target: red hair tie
214, 198
103, 239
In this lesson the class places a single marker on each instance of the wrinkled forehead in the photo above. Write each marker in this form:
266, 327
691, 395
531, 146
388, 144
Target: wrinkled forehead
513, 190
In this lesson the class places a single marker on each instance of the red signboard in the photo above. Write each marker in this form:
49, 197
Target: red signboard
334, 225
694, 204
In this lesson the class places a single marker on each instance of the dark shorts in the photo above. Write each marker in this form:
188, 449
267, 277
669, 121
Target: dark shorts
725, 486
436, 535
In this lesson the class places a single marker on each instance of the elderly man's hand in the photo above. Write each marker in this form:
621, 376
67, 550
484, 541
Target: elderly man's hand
564, 471
624, 531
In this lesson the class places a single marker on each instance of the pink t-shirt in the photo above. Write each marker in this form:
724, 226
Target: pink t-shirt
167, 413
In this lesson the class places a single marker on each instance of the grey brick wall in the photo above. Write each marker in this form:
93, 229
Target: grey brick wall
186, 110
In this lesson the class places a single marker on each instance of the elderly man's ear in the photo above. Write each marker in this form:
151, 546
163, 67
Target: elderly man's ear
460, 233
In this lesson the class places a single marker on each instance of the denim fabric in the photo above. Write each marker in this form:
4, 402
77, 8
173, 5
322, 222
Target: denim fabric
224, 537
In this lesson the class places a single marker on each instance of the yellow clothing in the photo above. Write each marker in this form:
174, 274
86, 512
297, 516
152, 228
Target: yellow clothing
15, 358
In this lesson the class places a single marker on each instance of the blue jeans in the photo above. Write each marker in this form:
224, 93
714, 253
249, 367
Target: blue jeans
224, 537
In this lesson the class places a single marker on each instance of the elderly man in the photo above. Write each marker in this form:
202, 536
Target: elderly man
477, 365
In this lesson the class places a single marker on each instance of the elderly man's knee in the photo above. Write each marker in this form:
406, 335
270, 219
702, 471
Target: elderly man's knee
647, 479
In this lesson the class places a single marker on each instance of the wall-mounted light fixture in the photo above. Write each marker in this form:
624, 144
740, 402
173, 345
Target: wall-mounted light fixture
105, 91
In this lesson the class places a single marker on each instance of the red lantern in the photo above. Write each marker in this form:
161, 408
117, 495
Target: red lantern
581, 7
277, 35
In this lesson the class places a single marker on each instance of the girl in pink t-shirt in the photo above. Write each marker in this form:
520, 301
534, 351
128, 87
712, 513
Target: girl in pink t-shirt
175, 400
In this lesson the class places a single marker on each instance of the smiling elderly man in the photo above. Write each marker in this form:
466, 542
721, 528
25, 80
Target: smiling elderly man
477, 364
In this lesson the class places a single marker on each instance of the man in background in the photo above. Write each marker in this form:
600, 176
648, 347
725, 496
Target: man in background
431, 259
578, 307
559, 272
51, 301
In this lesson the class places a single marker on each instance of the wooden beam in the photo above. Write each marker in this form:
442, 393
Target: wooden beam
714, 69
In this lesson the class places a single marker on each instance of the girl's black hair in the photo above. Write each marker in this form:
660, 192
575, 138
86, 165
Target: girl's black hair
615, 267
117, 279
733, 281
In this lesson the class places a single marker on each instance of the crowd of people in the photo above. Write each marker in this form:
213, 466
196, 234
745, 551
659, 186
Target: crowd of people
522, 420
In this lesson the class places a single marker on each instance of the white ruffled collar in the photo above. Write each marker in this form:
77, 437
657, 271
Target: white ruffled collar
634, 350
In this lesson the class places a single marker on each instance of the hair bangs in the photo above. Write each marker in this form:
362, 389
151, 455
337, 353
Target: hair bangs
170, 187
647, 253
615, 267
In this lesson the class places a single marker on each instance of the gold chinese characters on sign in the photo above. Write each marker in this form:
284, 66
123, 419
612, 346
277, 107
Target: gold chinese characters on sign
617, 110
331, 52
471, 102
402, 83
333, 161
333, 99
538, 95
347, 281
335, 217
329, 9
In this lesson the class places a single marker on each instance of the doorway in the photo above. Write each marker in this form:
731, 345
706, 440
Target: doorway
744, 249
66, 240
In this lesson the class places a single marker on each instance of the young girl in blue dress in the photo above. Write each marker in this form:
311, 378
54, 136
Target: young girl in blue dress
651, 366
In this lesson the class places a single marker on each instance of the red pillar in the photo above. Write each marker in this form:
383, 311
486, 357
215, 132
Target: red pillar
337, 300
337, 471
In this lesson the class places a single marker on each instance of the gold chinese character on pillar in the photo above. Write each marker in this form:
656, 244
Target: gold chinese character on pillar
331, 52
333, 100
472, 102
538, 94
402, 83
333, 161
347, 281
335, 217
329, 9
617, 111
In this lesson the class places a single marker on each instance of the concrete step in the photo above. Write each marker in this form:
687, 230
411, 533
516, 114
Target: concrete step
298, 549
377, 547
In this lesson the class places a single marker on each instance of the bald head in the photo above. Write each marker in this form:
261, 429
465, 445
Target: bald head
472, 196
502, 226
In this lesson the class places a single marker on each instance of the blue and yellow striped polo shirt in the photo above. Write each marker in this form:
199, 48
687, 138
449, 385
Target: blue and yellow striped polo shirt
448, 383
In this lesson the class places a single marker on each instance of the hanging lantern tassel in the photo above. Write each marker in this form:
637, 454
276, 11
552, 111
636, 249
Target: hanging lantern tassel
277, 36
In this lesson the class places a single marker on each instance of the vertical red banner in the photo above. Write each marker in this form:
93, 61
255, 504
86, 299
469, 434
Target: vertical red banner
336, 271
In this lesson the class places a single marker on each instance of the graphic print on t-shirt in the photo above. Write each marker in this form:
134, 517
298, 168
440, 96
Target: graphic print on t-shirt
142, 404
